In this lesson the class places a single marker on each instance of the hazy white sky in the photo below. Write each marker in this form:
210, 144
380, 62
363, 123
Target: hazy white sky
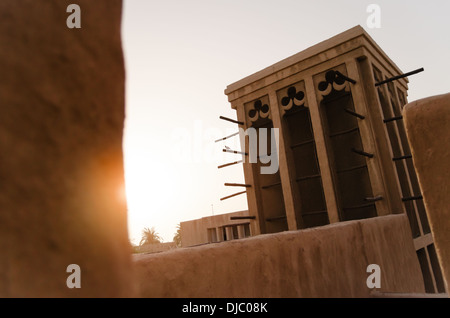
180, 56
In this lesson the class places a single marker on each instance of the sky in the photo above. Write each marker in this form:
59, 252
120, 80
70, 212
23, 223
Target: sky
180, 55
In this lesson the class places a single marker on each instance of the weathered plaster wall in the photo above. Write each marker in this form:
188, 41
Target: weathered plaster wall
61, 169
427, 123
157, 247
329, 261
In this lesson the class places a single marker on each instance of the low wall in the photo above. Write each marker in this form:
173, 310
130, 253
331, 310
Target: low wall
329, 261
427, 126
156, 247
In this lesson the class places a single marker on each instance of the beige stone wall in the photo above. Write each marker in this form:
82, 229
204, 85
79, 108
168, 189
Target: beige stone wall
427, 123
61, 169
329, 261
157, 247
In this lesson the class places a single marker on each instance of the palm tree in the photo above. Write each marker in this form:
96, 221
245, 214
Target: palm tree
149, 236
177, 236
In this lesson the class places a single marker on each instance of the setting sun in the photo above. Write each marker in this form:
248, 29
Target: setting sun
147, 190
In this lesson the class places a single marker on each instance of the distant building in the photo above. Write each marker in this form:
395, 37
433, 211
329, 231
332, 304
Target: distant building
217, 228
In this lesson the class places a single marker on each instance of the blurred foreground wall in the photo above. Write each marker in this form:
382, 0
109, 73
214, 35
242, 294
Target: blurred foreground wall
61, 169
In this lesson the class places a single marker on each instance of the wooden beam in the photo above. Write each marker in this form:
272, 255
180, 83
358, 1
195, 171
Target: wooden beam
233, 195
423, 241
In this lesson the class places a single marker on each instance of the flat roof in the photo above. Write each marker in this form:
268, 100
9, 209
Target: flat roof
336, 40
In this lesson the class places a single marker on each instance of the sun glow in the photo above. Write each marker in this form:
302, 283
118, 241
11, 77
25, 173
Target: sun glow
121, 194
146, 188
